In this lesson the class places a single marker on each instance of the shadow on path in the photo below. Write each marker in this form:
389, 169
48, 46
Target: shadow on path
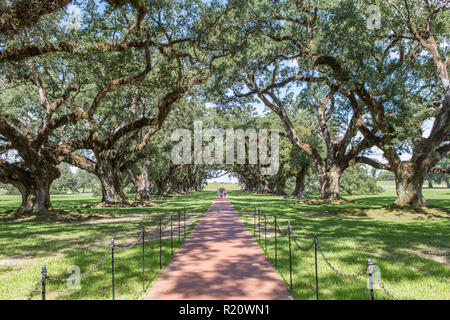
219, 260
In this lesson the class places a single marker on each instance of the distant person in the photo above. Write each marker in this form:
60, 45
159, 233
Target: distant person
217, 194
224, 192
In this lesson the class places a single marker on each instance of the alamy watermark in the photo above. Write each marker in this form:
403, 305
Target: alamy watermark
74, 281
241, 146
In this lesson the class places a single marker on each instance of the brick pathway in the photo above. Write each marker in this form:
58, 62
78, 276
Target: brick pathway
219, 260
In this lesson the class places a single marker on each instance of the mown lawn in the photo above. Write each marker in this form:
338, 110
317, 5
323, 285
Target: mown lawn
412, 253
26, 246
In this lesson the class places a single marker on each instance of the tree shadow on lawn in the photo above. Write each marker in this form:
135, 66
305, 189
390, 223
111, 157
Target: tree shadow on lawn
349, 242
98, 285
41, 240
399, 271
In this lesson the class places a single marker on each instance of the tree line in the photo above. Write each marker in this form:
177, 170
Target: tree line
102, 91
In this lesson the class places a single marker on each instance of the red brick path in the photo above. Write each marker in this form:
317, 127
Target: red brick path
219, 260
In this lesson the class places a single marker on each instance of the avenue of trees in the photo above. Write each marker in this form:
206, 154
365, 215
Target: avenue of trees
103, 87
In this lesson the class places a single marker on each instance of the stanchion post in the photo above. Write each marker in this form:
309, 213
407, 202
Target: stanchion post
179, 227
370, 272
160, 243
265, 233
184, 223
254, 223
143, 258
112, 268
290, 253
276, 245
259, 225
44, 280
171, 233
315, 266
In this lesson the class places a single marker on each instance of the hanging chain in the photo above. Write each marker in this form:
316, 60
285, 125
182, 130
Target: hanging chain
336, 270
131, 245
298, 246
36, 287
82, 275
391, 297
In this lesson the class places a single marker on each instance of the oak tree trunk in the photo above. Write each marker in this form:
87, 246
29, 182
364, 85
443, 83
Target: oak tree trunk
300, 190
35, 196
112, 191
280, 186
143, 182
408, 184
329, 183
34, 185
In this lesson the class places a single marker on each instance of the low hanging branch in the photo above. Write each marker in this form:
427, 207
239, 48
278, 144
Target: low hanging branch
25, 13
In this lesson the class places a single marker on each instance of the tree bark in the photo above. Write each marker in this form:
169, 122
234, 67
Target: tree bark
280, 186
112, 191
408, 184
300, 190
329, 183
143, 182
33, 185
35, 197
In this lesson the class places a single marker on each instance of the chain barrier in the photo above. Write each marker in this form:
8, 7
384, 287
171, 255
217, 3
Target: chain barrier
356, 275
298, 246
82, 275
151, 235
368, 270
131, 245
391, 297
142, 235
305, 249
281, 232
36, 287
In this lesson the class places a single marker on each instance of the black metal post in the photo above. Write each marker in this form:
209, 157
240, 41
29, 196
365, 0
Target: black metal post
112, 268
171, 233
179, 227
290, 253
315, 266
254, 223
265, 233
259, 225
184, 223
143, 258
370, 272
44, 280
160, 244
276, 245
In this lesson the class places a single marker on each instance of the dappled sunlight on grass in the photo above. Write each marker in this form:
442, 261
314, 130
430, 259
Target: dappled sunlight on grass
348, 241
26, 246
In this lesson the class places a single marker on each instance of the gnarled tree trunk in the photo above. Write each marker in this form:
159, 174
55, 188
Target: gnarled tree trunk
108, 174
329, 183
280, 186
34, 185
300, 190
408, 184
143, 182
35, 197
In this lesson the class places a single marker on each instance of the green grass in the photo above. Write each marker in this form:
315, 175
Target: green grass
405, 249
425, 184
26, 246
193, 202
